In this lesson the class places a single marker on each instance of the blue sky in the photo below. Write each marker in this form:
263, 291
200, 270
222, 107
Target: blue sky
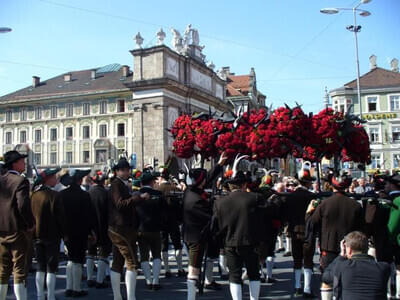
296, 51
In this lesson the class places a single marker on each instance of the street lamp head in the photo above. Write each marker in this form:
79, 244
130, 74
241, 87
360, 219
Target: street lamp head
365, 1
329, 10
5, 29
365, 13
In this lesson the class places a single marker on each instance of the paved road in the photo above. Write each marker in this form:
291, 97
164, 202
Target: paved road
175, 288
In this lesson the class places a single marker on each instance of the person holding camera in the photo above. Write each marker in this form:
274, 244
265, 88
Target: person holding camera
354, 274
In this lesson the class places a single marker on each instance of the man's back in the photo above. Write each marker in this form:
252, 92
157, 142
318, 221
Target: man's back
358, 278
239, 219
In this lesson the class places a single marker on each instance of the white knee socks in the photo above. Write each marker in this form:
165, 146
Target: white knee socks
191, 289
3, 291
39, 280
178, 256
101, 270
307, 280
130, 281
165, 259
20, 291
326, 294
146, 271
397, 284
209, 271
270, 265
89, 267
236, 291
297, 277
76, 277
116, 285
280, 242
254, 287
51, 286
288, 244
69, 285
156, 271
222, 264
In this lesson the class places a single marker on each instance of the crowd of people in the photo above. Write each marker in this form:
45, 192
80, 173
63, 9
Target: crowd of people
237, 218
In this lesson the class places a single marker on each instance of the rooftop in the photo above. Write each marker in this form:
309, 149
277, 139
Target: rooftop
107, 78
376, 78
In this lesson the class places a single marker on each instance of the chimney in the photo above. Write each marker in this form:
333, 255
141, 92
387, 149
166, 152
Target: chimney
125, 71
35, 81
394, 64
372, 62
93, 74
227, 71
67, 77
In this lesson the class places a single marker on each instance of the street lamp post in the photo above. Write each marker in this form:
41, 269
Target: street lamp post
354, 28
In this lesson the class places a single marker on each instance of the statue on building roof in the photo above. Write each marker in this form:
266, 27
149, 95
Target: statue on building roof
161, 36
176, 40
139, 40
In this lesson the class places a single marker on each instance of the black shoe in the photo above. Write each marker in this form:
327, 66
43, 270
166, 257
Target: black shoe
168, 274
298, 292
181, 273
270, 280
280, 250
108, 278
91, 283
68, 293
262, 279
156, 287
149, 286
102, 285
309, 296
78, 294
213, 286
286, 254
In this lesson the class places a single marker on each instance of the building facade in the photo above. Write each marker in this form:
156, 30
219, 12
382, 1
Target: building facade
89, 118
380, 108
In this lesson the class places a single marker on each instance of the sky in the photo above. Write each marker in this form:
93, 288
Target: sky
296, 50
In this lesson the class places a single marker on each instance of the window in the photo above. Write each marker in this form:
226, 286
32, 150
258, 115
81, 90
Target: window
8, 138
394, 102
68, 157
103, 107
37, 158
53, 134
38, 136
376, 161
121, 129
38, 113
374, 134
86, 109
103, 130
342, 105
70, 110
69, 133
121, 106
86, 157
396, 161
53, 158
85, 132
372, 103
22, 137
101, 156
23, 114
53, 112
8, 116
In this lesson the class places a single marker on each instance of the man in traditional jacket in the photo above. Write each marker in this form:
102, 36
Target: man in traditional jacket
240, 224
294, 208
80, 226
102, 247
16, 225
51, 227
174, 216
122, 230
197, 213
152, 218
